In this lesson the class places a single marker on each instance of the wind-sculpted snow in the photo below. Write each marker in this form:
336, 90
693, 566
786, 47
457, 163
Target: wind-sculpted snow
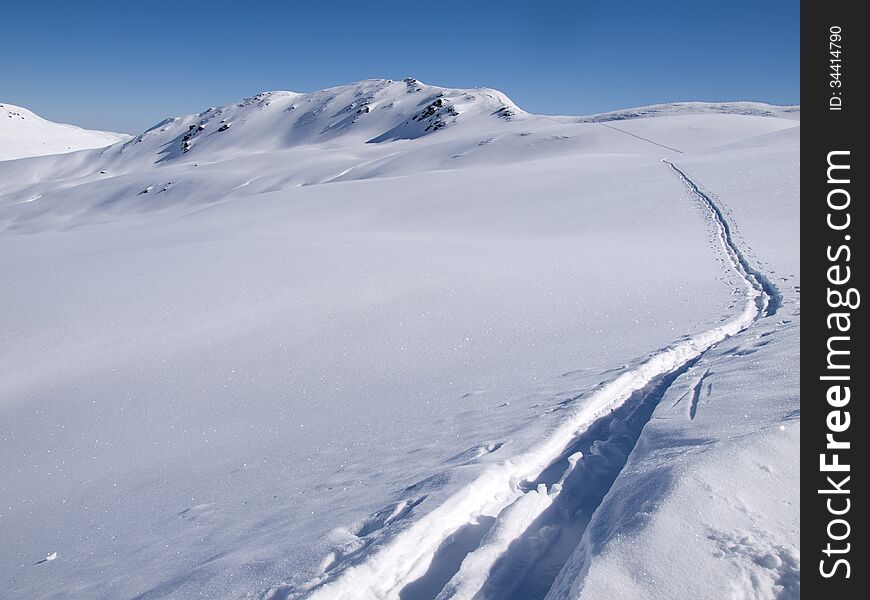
326, 347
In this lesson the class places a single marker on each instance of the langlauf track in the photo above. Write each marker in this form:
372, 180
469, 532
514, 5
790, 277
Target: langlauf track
508, 533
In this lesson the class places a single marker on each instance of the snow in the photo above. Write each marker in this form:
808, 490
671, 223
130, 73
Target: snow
759, 109
339, 351
24, 134
729, 497
48, 557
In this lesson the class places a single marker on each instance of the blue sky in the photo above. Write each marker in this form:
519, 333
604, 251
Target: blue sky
126, 65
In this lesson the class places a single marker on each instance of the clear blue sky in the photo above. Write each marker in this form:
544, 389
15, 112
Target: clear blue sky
126, 65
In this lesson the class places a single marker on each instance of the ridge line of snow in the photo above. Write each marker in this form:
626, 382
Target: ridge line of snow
25, 134
407, 556
740, 107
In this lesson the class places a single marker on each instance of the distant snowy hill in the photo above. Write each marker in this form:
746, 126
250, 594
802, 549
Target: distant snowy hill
752, 109
397, 341
372, 111
23, 134
372, 128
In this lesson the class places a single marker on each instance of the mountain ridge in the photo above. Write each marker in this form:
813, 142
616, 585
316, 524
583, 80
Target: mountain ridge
371, 129
369, 111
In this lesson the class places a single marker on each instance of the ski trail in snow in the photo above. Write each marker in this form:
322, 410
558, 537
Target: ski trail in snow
641, 138
517, 498
771, 296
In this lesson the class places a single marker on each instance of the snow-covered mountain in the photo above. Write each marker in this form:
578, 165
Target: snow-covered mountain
373, 128
390, 340
369, 111
372, 112
23, 134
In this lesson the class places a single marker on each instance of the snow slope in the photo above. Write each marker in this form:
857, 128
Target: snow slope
325, 346
23, 134
729, 497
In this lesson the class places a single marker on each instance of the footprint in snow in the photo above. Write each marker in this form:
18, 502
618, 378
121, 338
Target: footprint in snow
197, 511
475, 452
49, 557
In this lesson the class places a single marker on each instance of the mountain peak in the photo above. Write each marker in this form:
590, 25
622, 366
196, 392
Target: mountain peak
368, 111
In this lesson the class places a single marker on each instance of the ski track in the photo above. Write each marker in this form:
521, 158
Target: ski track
634, 135
508, 533
770, 294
